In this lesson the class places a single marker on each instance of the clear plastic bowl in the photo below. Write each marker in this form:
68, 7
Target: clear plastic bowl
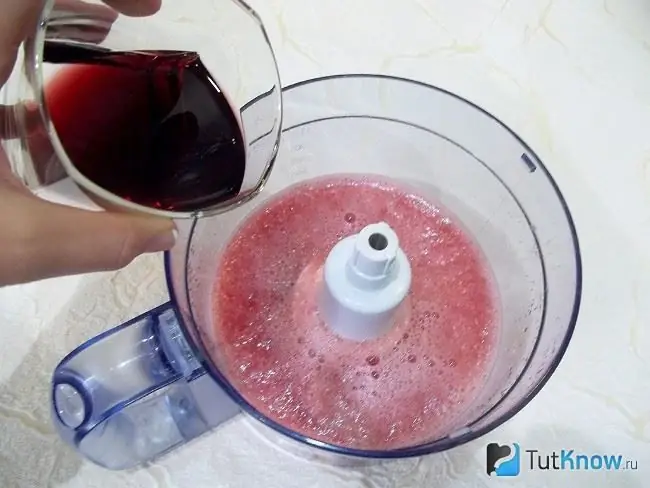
463, 158
151, 385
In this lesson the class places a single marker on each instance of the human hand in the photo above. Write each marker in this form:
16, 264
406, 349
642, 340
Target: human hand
40, 239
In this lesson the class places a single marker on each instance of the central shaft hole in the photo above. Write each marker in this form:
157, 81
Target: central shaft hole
378, 242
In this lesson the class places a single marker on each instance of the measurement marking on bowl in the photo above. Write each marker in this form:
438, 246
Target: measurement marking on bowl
532, 167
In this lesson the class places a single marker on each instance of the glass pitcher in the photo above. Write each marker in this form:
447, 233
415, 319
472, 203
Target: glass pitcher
232, 45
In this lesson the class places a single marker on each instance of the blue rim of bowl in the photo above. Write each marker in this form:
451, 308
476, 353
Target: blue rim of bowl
444, 443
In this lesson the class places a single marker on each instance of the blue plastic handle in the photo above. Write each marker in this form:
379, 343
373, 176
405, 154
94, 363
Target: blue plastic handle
136, 392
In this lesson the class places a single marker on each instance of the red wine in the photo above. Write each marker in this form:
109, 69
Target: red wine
151, 127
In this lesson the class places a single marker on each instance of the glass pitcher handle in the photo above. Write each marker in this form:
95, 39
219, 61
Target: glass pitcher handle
135, 392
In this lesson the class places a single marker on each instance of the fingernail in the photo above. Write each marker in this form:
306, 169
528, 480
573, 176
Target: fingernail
162, 242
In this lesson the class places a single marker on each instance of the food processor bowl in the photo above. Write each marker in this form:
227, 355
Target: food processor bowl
112, 395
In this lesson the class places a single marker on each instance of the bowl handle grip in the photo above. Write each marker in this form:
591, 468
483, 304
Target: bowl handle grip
136, 392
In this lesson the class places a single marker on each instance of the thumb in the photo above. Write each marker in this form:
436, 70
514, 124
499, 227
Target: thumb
42, 239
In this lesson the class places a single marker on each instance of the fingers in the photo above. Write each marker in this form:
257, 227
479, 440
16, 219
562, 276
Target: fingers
19, 19
85, 9
137, 8
24, 120
8, 180
40, 239
13, 118
81, 21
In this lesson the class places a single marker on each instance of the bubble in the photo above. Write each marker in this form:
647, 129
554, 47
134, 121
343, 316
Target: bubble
375, 375
350, 218
412, 358
321, 359
372, 360
311, 353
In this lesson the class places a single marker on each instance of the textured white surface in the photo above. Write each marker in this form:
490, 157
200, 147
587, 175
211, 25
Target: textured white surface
572, 77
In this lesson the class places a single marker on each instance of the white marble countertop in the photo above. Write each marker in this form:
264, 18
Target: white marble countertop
573, 79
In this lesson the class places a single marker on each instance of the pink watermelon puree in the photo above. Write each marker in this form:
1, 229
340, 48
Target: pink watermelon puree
402, 389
